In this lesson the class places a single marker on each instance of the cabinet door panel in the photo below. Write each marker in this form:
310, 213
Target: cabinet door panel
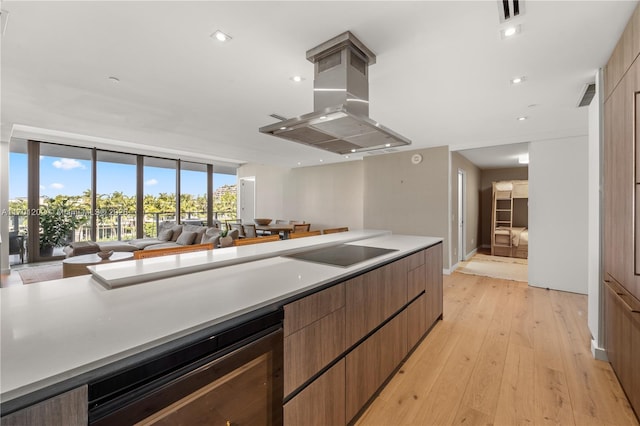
310, 349
373, 297
321, 403
67, 409
434, 283
369, 365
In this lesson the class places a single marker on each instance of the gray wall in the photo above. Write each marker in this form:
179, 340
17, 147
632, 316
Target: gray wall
488, 176
472, 199
409, 198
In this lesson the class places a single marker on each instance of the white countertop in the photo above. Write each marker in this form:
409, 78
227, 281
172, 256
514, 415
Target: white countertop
56, 330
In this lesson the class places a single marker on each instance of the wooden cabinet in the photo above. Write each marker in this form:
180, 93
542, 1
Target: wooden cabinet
369, 365
316, 327
622, 312
433, 259
322, 402
373, 297
67, 409
362, 328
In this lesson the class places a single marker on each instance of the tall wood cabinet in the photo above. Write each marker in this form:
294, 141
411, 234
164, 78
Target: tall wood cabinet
622, 210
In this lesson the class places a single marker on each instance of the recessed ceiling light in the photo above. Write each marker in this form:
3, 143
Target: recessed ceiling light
283, 128
522, 118
220, 36
113, 79
518, 80
321, 160
296, 79
523, 159
353, 150
299, 163
346, 156
510, 31
324, 117
387, 145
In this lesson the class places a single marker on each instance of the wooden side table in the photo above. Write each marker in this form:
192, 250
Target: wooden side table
77, 265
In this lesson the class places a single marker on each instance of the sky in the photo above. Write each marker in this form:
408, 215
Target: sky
73, 177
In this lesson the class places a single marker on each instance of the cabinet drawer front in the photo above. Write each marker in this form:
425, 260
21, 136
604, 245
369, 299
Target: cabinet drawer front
310, 349
415, 260
321, 403
303, 312
69, 408
417, 280
416, 321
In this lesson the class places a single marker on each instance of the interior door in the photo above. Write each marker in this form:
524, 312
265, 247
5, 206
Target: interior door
461, 215
247, 206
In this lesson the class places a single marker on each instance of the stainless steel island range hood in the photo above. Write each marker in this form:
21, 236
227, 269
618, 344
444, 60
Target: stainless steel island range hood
340, 122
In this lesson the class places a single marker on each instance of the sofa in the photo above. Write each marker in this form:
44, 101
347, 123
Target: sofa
170, 235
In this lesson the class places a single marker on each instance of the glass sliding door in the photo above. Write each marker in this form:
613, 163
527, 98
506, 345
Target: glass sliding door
18, 207
193, 193
116, 196
225, 195
159, 176
65, 197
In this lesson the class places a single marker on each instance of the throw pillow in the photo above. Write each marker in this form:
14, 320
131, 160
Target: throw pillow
186, 238
215, 239
165, 235
210, 237
177, 230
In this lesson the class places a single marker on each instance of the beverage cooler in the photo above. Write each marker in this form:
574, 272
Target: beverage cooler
230, 378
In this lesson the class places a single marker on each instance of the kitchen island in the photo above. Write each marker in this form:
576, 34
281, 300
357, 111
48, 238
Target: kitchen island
59, 335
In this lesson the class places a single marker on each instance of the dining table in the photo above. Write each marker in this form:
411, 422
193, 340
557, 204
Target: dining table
276, 228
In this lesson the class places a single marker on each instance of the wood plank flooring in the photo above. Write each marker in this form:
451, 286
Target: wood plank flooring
505, 354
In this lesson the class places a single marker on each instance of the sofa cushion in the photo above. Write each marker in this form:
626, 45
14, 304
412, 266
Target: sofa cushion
186, 238
215, 239
165, 235
117, 246
143, 243
177, 230
198, 229
162, 245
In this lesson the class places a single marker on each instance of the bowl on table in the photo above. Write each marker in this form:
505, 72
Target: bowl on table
104, 254
262, 222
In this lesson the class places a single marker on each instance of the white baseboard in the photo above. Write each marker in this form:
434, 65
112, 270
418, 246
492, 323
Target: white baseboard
471, 253
450, 270
598, 353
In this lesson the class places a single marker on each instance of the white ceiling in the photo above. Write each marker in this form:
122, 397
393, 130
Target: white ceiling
442, 75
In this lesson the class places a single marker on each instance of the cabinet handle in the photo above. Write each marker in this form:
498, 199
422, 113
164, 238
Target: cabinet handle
629, 308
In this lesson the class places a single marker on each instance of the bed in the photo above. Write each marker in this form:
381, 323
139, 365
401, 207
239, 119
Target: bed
512, 241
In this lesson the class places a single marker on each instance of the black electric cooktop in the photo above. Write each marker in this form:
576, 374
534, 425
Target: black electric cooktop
341, 255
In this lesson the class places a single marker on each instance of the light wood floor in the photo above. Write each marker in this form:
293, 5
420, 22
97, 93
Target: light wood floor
505, 354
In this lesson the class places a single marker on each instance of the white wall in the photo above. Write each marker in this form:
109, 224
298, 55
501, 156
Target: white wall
593, 248
326, 196
558, 217
269, 188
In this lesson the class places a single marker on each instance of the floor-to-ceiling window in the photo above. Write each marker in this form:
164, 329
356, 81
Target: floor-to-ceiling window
225, 195
64, 197
159, 193
18, 209
116, 201
193, 192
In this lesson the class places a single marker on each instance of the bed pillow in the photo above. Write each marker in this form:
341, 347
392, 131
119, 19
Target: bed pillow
186, 238
165, 235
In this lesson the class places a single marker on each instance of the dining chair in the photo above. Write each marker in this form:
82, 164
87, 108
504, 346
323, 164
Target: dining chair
239, 227
295, 235
335, 230
282, 222
250, 231
301, 228
296, 222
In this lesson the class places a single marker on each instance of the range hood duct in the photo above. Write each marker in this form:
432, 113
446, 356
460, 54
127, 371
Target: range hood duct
340, 122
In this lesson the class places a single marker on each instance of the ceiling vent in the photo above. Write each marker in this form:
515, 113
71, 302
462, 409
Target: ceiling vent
509, 9
588, 92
